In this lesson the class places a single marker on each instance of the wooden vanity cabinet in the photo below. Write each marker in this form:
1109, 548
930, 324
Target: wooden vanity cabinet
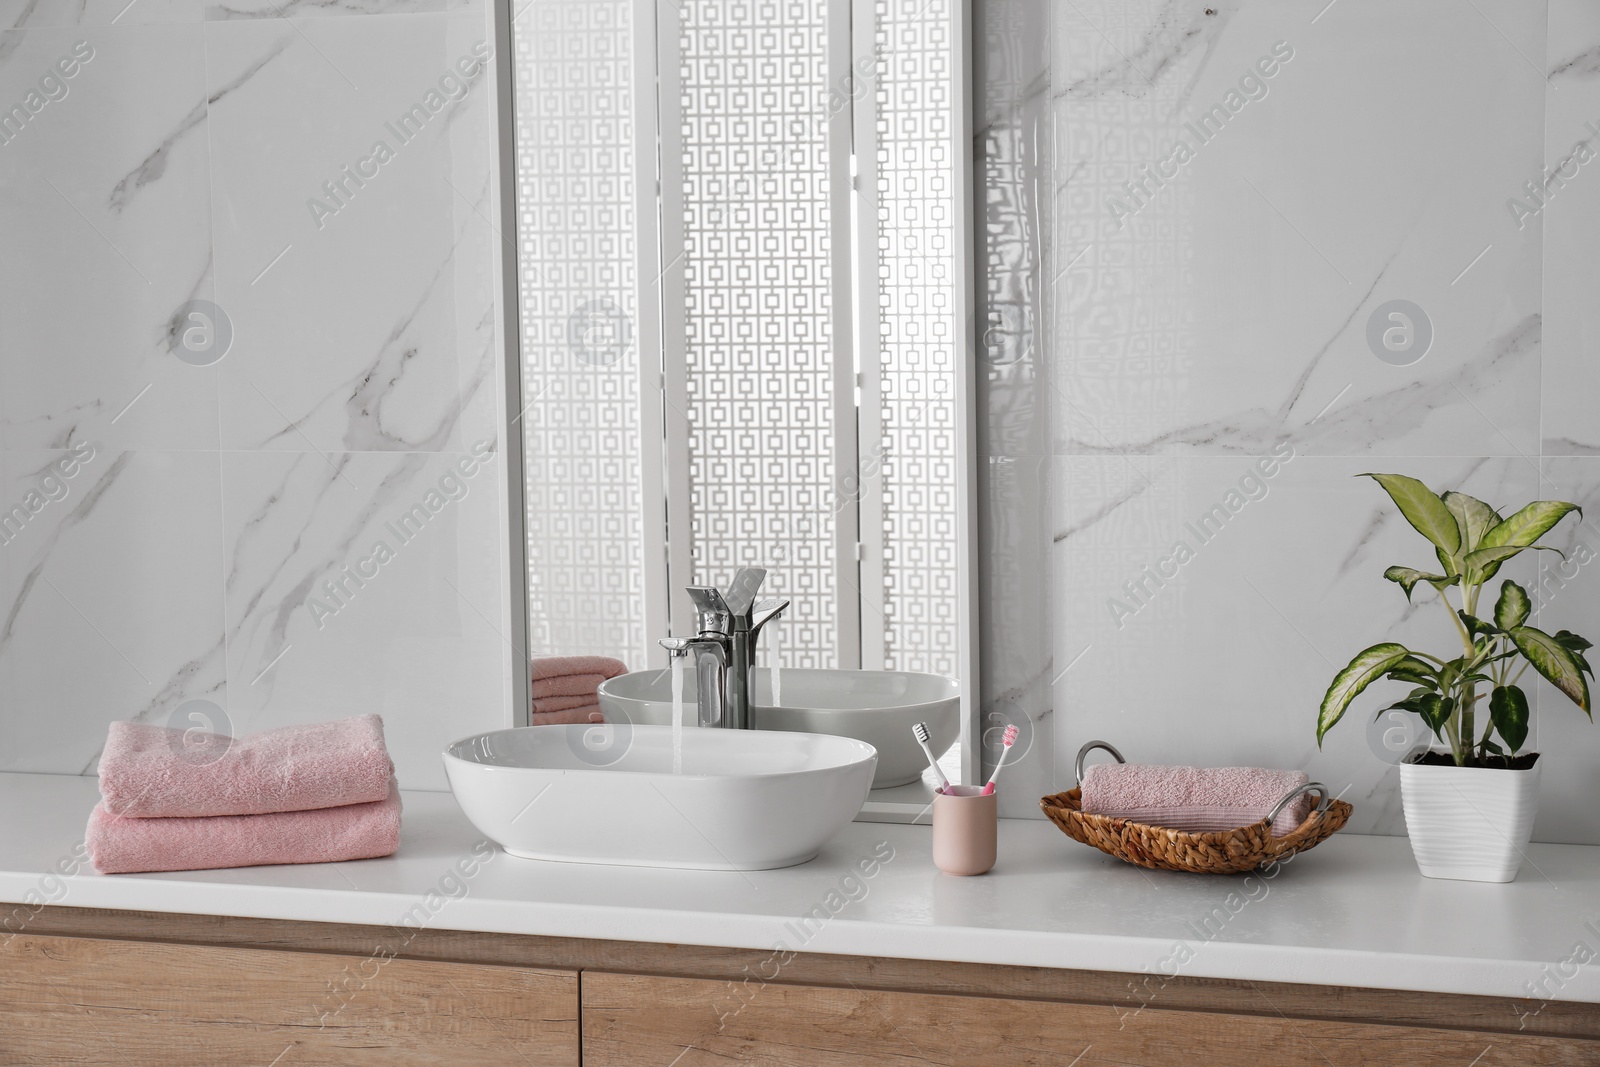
79, 1001
85, 986
630, 1020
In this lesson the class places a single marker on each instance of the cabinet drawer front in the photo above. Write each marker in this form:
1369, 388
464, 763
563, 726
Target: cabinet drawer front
68, 1000
630, 1020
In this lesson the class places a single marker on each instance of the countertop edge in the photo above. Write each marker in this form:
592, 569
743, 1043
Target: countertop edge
1141, 958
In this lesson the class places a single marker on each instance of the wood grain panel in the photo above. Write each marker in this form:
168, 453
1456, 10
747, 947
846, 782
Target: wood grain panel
1121, 992
630, 1020
86, 1001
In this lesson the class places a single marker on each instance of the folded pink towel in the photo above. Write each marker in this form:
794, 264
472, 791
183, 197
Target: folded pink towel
327, 835
564, 703
163, 772
585, 714
1194, 799
567, 685
547, 667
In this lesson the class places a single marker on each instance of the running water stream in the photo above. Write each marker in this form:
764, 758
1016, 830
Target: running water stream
679, 665
774, 658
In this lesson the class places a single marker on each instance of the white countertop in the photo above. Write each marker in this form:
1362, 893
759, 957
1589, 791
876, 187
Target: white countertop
1353, 912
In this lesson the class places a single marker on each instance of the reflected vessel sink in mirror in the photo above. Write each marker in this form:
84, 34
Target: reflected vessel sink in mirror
621, 794
877, 707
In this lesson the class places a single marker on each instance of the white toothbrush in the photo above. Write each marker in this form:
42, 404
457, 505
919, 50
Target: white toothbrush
921, 730
1009, 739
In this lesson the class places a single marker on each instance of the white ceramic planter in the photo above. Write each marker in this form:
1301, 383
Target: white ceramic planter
1471, 823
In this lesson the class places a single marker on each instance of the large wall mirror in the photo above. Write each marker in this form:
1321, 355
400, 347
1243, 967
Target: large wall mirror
738, 257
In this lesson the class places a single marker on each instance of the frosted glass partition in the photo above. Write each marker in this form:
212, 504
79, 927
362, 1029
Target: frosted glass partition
575, 66
759, 358
740, 236
919, 338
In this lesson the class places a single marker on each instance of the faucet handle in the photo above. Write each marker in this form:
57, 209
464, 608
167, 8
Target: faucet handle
741, 595
714, 614
764, 612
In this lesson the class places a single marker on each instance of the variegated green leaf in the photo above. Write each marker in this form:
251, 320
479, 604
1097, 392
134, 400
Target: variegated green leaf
1415, 671
1424, 510
1513, 606
1525, 527
1408, 577
1577, 646
1433, 708
1552, 659
1572, 641
1408, 704
1482, 559
1368, 666
1448, 674
1435, 711
1473, 517
1508, 709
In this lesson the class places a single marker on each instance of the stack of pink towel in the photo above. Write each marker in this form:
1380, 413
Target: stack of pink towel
564, 688
175, 801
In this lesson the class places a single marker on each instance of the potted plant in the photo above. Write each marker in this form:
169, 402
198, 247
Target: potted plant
1469, 809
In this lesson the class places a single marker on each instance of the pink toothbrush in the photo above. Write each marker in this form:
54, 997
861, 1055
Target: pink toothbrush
1009, 739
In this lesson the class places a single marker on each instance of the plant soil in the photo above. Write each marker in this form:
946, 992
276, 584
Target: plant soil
1497, 763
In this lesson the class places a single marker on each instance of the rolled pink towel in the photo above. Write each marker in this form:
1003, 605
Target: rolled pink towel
162, 772
548, 667
586, 714
568, 685
327, 835
1194, 799
564, 703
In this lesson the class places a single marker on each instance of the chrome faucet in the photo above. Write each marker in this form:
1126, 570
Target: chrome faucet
723, 651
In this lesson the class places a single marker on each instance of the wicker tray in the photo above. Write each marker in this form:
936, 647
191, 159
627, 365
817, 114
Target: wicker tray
1218, 852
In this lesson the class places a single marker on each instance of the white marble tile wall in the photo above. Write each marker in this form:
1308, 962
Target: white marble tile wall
211, 501
1176, 313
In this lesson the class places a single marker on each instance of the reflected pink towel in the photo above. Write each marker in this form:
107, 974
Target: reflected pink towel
587, 713
549, 667
568, 685
1194, 799
564, 703
565, 688
163, 772
328, 835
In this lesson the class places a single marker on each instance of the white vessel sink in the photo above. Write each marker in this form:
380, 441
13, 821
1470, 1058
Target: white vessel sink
877, 707
727, 800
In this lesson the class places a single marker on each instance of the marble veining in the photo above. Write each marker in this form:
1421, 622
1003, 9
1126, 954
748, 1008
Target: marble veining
1353, 428
1584, 64
80, 510
1176, 30
155, 164
191, 558
225, 10
1228, 316
362, 398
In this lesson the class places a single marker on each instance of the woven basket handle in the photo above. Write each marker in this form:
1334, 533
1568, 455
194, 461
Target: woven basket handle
1322, 805
1083, 753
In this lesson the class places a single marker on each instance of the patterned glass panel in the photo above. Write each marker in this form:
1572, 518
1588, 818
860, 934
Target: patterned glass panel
758, 301
918, 269
574, 71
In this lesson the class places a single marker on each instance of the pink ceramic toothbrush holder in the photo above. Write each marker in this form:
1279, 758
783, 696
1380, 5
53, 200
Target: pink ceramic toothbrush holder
965, 825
